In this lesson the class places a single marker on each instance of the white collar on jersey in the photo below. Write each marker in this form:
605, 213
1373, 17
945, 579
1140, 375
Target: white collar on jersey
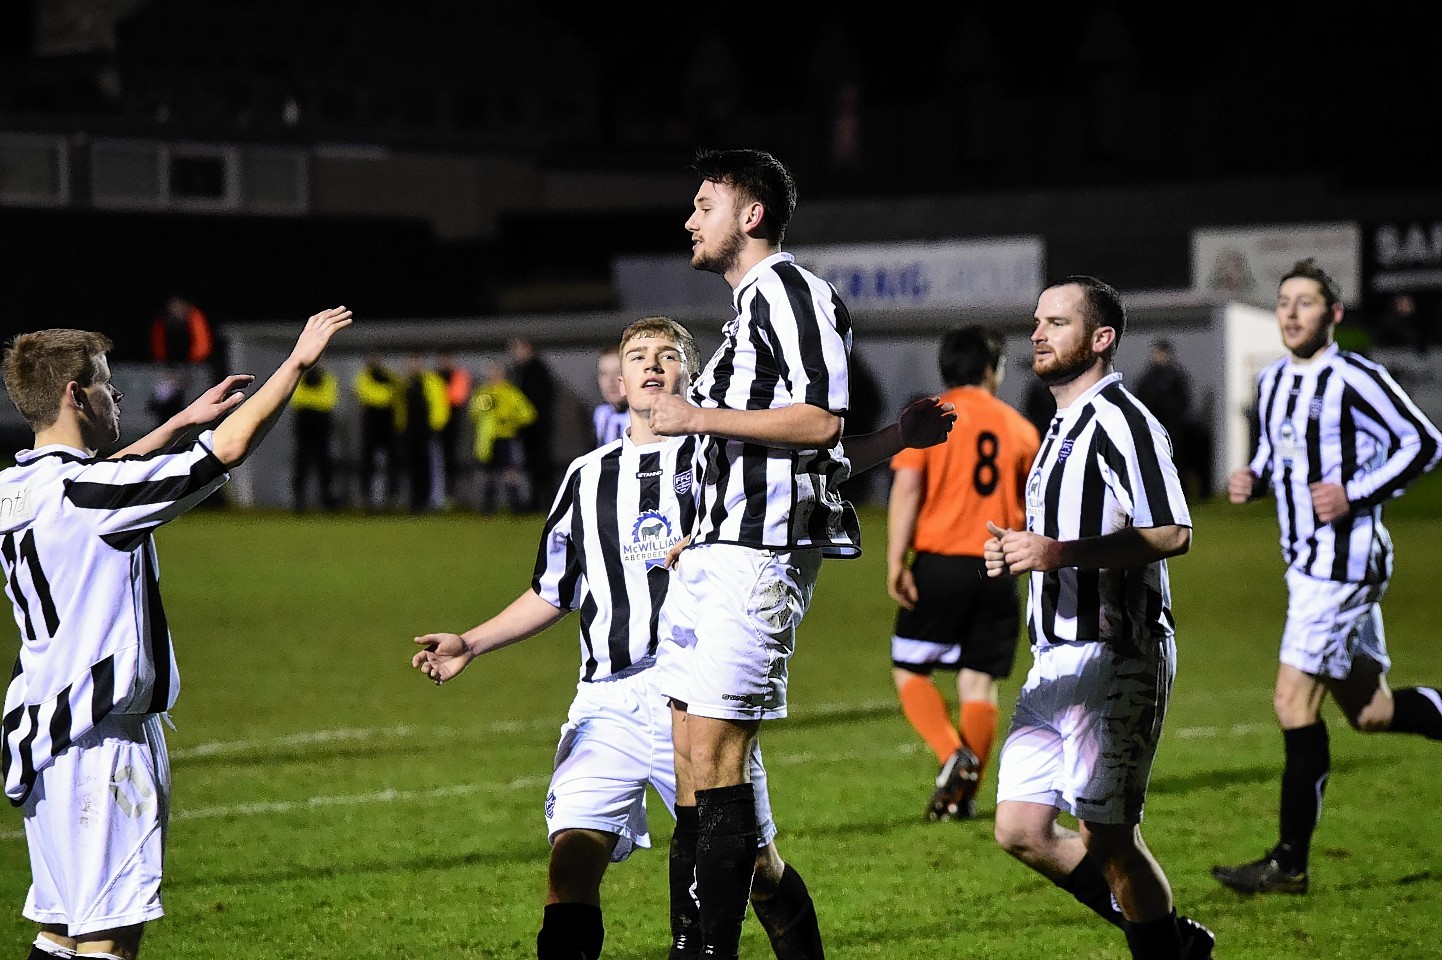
767, 264
22, 456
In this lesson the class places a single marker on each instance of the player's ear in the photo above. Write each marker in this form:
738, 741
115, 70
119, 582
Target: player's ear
1103, 338
75, 395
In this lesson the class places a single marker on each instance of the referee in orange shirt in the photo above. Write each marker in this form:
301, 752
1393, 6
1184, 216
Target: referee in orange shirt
952, 616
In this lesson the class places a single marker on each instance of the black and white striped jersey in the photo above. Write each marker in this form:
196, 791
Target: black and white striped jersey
609, 423
1338, 419
1104, 465
790, 342
619, 510
81, 571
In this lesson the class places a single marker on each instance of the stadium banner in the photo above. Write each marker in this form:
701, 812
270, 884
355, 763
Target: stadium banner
986, 273
1245, 263
1402, 278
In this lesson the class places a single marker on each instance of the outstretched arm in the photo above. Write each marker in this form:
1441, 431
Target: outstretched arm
798, 426
209, 407
924, 423
243, 430
444, 655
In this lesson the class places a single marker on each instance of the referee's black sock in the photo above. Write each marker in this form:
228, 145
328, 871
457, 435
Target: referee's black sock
1159, 939
1417, 710
570, 931
1304, 779
789, 918
1089, 886
725, 862
685, 912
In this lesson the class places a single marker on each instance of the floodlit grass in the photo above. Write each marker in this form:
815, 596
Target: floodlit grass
330, 803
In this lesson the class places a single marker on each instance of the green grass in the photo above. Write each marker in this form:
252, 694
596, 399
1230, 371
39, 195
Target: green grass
329, 803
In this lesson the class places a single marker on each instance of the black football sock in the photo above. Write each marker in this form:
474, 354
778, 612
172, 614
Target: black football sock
1159, 939
685, 912
1304, 779
1089, 886
1417, 710
570, 931
725, 862
789, 918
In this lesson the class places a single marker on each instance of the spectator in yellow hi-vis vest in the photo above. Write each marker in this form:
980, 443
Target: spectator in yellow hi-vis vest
423, 413
377, 390
314, 403
499, 411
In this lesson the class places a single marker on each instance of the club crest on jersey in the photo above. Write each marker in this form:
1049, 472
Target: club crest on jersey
1314, 409
1065, 450
683, 482
651, 537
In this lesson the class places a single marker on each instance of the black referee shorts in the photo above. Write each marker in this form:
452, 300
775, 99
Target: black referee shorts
963, 618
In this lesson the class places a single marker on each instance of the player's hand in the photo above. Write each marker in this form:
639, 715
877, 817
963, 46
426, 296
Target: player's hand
673, 556
926, 422
1018, 551
1329, 501
1240, 485
316, 335
445, 655
901, 584
673, 416
216, 402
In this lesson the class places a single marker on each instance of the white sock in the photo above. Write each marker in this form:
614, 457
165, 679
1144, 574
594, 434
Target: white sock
46, 945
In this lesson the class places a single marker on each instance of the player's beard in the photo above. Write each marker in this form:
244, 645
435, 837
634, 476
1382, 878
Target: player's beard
1066, 367
725, 257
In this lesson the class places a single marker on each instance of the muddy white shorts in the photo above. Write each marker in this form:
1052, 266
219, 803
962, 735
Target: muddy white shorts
736, 610
1085, 730
95, 823
1331, 624
616, 742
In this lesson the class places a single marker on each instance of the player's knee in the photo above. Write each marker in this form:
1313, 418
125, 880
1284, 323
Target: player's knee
769, 868
1016, 839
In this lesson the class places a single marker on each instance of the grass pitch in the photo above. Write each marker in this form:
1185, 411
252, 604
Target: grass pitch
330, 803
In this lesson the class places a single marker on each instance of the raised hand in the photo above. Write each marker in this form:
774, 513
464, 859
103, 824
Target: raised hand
316, 335
925, 422
444, 656
216, 402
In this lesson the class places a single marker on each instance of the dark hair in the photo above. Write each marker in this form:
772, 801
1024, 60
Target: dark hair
966, 354
754, 175
1103, 307
1309, 269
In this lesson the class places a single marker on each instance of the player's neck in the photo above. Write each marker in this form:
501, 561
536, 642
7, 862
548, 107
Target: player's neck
1065, 393
640, 432
753, 252
62, 434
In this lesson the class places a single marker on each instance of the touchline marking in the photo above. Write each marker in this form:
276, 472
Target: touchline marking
390, 795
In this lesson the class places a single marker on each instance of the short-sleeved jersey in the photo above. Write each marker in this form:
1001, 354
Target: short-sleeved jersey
81, 572
1105, 464
609, 423
978, 474
1338, 419
619, 510
789, 343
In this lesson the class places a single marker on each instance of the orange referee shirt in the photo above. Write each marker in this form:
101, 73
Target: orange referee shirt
978, 474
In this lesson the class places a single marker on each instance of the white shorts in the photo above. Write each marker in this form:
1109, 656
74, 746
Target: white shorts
1085, 731
617, 739
1331, 624
735, 609
95, 824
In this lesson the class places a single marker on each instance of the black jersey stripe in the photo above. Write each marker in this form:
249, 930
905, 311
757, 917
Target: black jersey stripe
93, 495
